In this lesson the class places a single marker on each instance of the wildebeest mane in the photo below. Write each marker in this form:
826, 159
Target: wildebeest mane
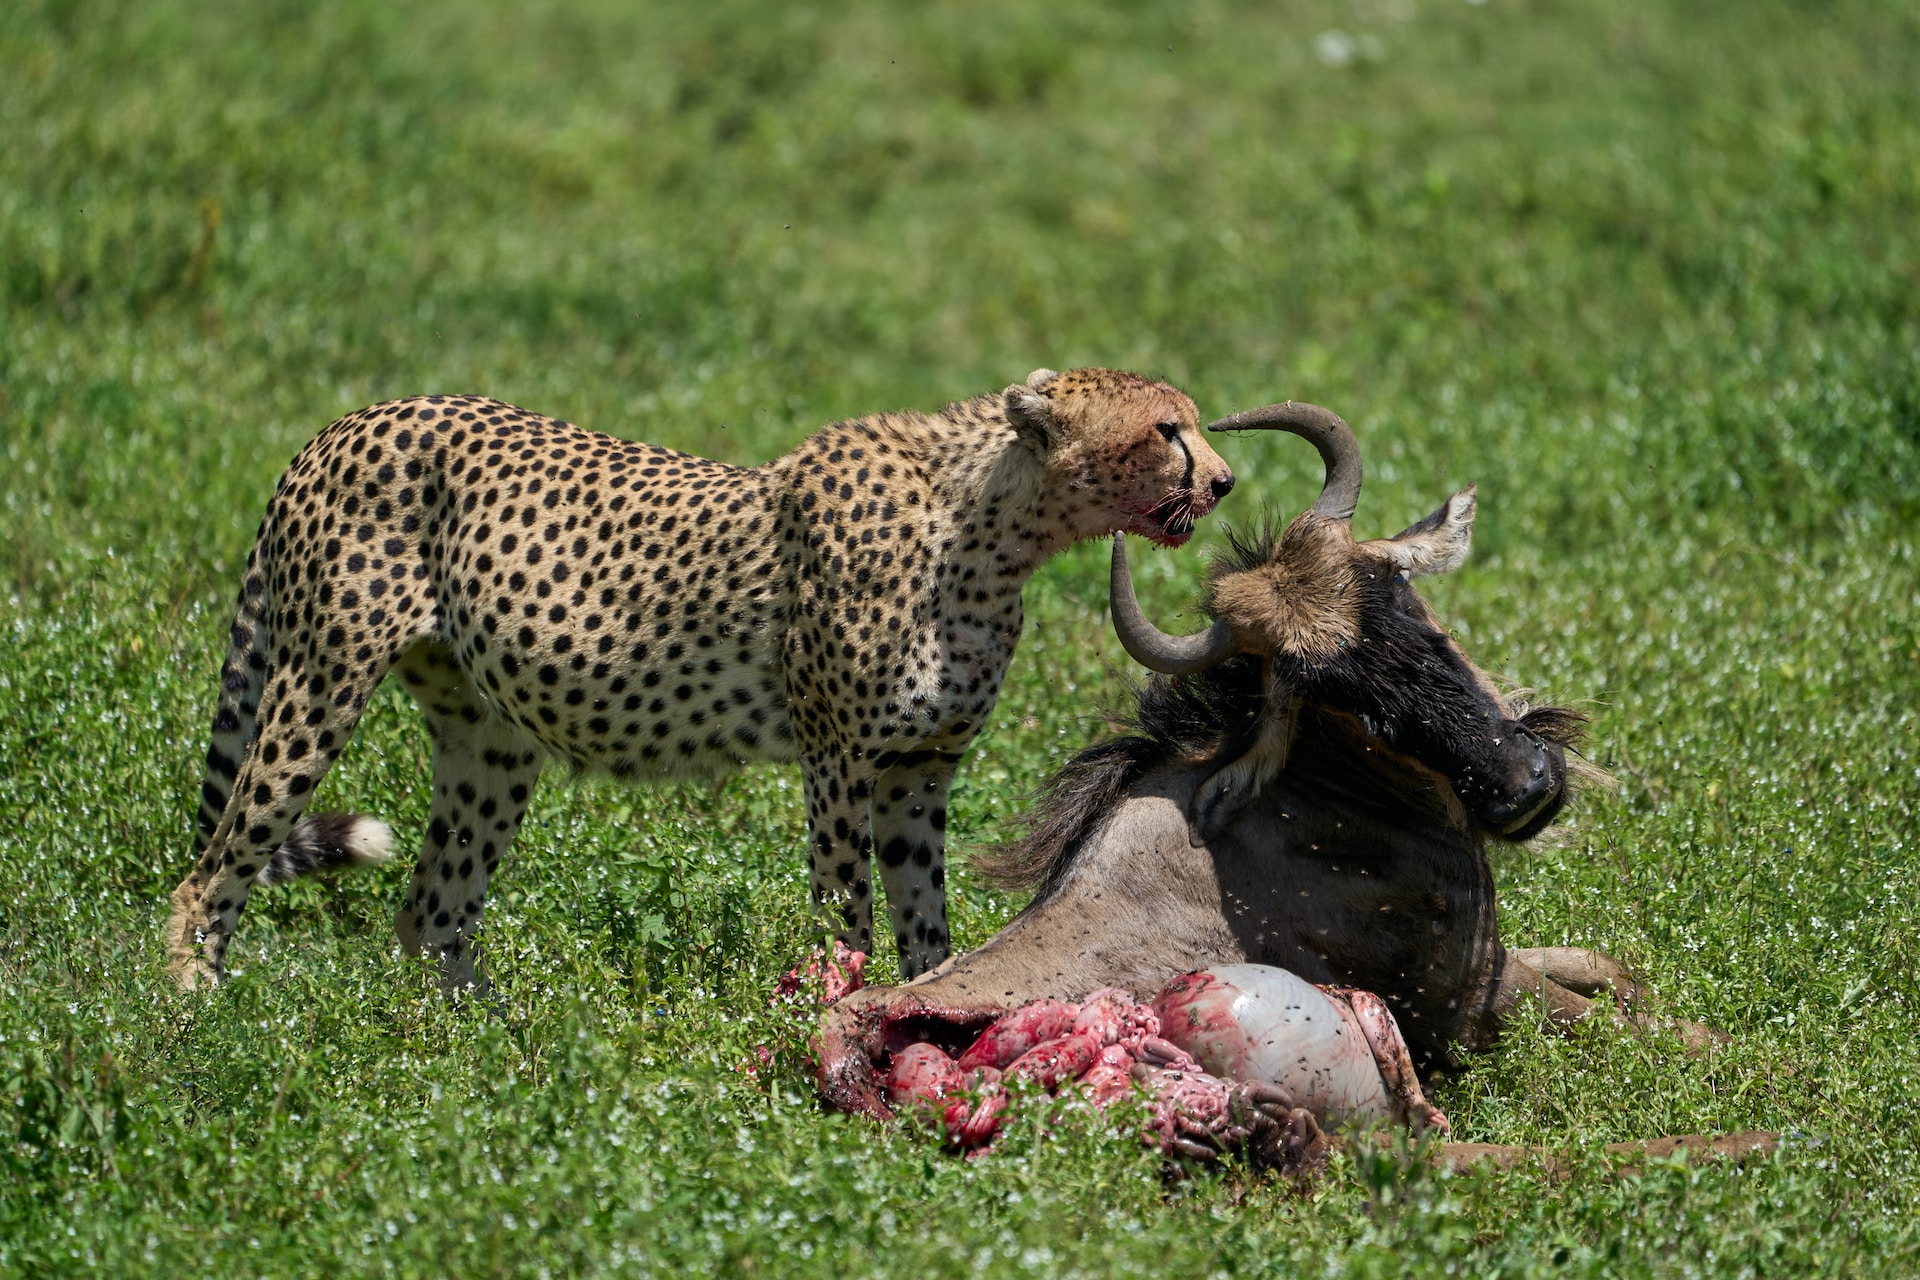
1173, 718
1246, 554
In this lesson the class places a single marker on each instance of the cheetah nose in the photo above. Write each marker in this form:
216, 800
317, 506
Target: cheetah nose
1222, 485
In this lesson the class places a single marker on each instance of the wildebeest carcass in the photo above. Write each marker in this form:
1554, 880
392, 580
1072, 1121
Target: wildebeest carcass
1311, 783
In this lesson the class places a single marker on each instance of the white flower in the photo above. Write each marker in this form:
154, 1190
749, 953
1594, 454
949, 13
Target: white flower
1335, 48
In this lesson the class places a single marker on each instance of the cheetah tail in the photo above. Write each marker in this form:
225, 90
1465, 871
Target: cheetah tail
328, 842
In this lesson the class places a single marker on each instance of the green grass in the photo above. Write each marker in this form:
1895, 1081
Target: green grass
1649, 272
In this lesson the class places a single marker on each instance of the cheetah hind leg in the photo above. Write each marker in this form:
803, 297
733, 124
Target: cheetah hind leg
305, 717
484, 769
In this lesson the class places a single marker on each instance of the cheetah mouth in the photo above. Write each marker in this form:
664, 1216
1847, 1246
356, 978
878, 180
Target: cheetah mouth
1170, 521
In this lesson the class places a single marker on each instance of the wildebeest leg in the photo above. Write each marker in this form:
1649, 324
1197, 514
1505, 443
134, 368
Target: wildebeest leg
1585, 972
1539, 971
1512, 981
1740, 1148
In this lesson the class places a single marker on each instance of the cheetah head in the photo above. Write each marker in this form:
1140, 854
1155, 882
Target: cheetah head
1123, 452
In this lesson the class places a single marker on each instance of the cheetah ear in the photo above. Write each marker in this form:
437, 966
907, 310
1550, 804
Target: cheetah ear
1039, 378
1032, 414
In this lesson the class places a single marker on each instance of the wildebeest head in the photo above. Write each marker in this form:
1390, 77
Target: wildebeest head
1339, 624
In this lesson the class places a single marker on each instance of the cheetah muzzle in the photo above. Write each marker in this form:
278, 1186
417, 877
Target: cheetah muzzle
544, 591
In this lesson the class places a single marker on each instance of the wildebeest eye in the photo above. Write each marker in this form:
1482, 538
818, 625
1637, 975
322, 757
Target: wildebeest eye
1168, 430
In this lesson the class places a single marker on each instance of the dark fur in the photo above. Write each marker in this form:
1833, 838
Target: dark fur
1388, 686
1409, 684
318, 845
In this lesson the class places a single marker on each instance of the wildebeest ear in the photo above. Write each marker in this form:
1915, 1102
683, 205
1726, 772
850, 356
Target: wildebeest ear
1438, 544
1230, 789
1032, 413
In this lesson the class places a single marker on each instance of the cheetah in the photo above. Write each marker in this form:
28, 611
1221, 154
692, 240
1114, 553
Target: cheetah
543, 591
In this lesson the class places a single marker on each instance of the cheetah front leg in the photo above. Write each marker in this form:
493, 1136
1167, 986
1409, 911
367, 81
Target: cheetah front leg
484, 769
839, 848
910, 830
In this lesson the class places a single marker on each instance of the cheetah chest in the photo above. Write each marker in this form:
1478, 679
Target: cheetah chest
962, 658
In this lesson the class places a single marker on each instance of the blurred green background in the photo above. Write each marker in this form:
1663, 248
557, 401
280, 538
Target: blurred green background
1648, 272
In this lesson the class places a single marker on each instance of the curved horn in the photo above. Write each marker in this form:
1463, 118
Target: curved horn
1153, 648
1327, 433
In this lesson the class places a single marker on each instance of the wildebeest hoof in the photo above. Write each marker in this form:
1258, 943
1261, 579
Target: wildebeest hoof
1696, 1038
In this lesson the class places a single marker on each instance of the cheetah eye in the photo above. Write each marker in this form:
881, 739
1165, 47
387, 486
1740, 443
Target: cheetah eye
1168, 430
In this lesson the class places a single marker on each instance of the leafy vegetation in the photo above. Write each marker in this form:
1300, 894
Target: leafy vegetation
1648, 272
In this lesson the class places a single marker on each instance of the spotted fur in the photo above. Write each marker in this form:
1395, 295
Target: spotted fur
544, 591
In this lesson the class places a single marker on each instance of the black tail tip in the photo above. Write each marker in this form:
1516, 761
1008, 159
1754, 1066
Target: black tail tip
328, 842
